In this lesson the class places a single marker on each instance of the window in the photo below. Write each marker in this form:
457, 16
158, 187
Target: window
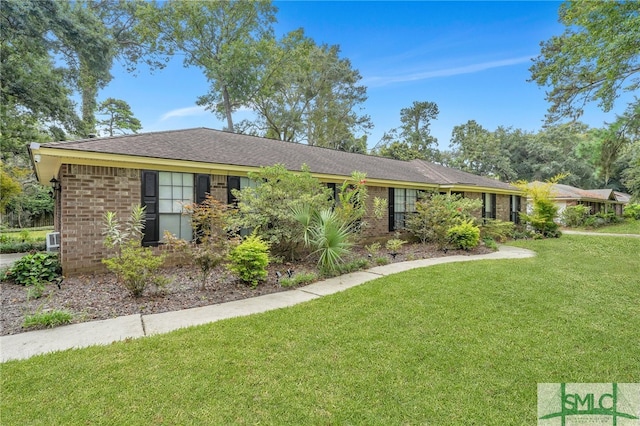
239, 183
488, 206
515, 208
163, 195
175, 190
401, 202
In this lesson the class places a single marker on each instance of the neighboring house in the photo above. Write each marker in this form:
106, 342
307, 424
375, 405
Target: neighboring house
161, 170
598, 200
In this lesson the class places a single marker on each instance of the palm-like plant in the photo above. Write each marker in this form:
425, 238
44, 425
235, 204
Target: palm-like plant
330, 237
327, 233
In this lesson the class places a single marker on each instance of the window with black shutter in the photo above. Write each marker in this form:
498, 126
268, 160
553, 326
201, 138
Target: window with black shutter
164, 194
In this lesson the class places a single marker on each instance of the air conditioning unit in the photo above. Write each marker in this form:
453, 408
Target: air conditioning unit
53, 241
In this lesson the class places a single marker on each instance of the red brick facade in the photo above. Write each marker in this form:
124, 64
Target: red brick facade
88, 192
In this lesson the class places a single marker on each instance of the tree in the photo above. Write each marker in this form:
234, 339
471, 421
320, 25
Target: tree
38, 39
413, 138
307, 93
9, 189
595, 59
630, 174
120, 25
477, 150
220, 37
119, 117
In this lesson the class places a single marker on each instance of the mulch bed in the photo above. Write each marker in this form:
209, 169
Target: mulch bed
100, 296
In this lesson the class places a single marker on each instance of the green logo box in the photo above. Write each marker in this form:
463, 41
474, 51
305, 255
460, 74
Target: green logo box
568, 404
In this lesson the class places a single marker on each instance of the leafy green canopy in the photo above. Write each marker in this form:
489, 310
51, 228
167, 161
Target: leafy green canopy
596, 58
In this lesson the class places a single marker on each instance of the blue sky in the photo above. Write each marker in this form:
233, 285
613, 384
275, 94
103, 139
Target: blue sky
470, 58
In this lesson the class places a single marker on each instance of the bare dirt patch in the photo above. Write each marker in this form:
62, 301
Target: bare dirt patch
100, 296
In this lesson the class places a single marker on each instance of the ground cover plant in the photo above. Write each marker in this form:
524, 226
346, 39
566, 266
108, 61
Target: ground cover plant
461, 343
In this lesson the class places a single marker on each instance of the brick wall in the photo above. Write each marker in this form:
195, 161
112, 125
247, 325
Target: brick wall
87, 193
90, 191
219, 188
377, 227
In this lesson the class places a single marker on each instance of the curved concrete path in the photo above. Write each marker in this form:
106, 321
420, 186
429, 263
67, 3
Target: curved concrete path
25, 345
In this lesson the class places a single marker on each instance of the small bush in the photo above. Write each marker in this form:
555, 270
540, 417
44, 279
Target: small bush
632, 211
299, 279
574, 216
48, 319
34, 269
464, 236
436, 213
136, 267
373, 249
497, 230
394, 244
249, 260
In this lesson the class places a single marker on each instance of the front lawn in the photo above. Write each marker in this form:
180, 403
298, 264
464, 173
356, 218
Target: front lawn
629, 226
462, 343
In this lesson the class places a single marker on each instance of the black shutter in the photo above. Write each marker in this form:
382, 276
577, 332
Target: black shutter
392, 212
149, 180
334, 192
484, 205
203, 187
233, 182
493, 206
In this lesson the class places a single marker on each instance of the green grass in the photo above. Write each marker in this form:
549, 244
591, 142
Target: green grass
34, 235
460, 343
629, 226
48, 319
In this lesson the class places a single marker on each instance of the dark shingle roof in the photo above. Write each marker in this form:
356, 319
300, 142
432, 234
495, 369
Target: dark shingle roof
571, 192
217, 147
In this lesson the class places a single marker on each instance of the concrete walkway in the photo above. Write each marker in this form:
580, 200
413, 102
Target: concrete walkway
7, 259
25, 345
599, 234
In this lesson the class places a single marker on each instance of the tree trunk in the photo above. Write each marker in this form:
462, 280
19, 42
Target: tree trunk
227, 108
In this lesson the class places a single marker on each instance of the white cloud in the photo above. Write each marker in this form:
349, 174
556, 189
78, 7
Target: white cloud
194, 111
446, 72
184, 112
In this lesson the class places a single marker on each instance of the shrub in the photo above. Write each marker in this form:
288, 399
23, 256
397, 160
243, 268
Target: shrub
544, 211
47, 319
436, 213
249, 260
134, 265
632, 211
34, 269
210, 246
267, 208
393, 245
13, 246
574, 216
373, 249
497, 230
464, 236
